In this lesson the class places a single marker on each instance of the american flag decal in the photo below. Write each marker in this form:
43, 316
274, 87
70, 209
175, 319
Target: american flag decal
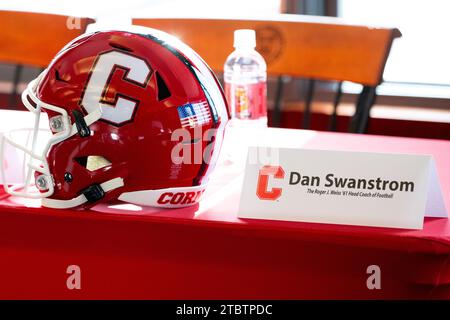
194, 114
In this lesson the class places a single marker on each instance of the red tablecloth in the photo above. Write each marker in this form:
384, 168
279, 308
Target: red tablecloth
206, 252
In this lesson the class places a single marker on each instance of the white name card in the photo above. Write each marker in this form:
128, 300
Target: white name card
338, 187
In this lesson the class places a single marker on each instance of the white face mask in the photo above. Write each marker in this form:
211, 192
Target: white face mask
26, 148
29, 147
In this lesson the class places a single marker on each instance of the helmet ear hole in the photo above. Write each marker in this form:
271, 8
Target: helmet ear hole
93, 163
163, 90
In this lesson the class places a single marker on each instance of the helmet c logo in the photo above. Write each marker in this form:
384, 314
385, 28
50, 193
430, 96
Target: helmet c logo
263, 182
137, 72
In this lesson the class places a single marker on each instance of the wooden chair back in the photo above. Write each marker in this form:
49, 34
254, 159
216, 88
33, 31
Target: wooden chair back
316, 48
34, 38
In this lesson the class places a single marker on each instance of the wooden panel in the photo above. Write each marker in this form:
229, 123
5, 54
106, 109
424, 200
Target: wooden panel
34, 38
322, 48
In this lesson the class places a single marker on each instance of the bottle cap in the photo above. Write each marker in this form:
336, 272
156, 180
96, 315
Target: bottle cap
244, 38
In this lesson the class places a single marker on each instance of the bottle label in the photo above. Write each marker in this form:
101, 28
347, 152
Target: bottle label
247, 101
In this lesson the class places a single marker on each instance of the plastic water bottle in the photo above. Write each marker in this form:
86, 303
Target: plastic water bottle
245, 78
245, 75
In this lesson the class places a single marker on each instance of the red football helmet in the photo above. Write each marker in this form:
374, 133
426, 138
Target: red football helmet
129, 114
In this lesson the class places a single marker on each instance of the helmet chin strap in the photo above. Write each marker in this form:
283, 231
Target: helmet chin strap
93, 193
